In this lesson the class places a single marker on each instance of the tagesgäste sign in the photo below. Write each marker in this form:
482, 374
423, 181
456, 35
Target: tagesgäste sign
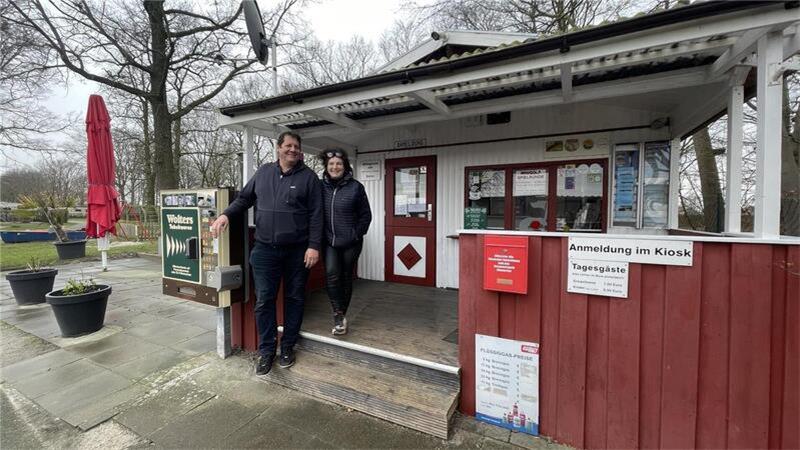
642, 251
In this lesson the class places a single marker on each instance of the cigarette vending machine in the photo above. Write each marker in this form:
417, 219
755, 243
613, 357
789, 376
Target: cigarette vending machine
195, 265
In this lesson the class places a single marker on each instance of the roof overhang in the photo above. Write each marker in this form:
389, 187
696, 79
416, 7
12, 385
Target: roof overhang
705, 43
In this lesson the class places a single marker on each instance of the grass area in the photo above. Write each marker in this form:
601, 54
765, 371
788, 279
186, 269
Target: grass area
73, 224
16, 256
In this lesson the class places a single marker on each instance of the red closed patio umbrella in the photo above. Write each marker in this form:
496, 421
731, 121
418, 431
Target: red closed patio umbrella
101, 199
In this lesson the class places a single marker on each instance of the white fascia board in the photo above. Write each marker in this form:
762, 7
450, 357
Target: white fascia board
628, 43
597, 91
483, 38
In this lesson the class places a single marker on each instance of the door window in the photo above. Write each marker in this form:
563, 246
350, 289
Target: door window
410, 194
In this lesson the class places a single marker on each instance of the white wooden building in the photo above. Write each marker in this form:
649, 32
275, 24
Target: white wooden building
576, 132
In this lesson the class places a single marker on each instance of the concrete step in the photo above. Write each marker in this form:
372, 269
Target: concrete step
410, 395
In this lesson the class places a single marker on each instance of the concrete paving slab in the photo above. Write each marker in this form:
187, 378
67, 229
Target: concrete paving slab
130, 351
102, 340
57, 378
150, 363
301, 411
26, 425
83, 393
109, 435
481, 428
159, 406
204, 318
126, 318
166, 332
104, 408
19, 345
265, 432
208, 425
356, 430
204, 343
34, 366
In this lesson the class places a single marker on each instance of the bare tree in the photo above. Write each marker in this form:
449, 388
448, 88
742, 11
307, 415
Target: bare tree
101, 40
23, 87
541, 17
15, 182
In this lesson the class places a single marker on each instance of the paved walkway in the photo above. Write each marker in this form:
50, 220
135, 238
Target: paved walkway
151, 377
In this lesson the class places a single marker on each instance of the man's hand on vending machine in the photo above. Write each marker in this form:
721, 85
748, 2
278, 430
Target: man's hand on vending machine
311, 258
219, 225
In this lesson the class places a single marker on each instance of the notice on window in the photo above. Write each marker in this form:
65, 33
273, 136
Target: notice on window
606, 278
530, 182
507, 383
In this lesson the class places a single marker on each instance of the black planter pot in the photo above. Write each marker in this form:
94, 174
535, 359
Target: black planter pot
71, 249
81, 313
30, 287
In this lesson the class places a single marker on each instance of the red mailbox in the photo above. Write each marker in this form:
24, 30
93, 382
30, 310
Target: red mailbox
505, 263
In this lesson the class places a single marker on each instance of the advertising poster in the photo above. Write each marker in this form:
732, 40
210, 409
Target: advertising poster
180, 225
507, 383
626, 178
530, 182
474, 218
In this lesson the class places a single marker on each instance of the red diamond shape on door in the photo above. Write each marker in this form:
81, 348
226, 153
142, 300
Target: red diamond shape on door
409, 256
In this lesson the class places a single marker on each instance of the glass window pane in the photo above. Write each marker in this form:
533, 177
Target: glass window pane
579, 192
410, 192
656, 184
530, 199
487, 189
626, 179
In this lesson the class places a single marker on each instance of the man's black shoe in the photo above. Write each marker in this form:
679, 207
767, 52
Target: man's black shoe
287, 359
264, 364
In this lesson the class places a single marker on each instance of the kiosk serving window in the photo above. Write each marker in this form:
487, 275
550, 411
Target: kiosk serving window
551, 196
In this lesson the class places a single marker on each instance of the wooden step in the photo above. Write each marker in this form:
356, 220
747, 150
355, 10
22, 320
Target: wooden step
409, 395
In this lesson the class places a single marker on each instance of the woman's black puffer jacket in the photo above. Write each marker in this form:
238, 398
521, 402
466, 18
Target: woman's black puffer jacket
347, 212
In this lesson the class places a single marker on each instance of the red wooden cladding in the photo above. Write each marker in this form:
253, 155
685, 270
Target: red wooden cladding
706, 356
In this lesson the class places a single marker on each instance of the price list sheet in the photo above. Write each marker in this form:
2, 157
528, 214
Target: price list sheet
507, 383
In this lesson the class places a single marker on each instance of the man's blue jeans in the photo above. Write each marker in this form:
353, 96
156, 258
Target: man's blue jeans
271, 263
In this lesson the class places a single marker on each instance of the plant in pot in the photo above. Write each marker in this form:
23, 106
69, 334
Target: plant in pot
30, 285
49, 205
80, 306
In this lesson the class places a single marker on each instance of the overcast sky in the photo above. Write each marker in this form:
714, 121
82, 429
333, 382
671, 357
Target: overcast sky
326, 18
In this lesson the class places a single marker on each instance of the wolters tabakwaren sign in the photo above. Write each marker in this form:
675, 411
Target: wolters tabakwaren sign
642, 251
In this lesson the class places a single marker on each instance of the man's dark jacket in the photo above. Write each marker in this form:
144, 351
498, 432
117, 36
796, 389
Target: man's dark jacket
347, 212
288, 206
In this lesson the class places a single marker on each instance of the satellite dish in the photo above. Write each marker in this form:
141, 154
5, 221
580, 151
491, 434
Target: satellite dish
255, 28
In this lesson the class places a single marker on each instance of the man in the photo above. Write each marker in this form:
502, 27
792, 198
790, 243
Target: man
288, 214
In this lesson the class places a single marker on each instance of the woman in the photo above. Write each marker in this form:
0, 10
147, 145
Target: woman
347, 219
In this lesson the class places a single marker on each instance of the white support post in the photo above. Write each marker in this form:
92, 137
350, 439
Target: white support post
674, 184
733, 210
768, 147
248, 162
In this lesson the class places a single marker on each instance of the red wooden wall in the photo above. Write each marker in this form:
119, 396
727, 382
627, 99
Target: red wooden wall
706, 356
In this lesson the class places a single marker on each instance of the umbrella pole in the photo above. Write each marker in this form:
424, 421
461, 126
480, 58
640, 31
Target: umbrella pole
102, 245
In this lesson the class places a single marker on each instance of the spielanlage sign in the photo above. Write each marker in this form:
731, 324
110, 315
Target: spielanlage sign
607, 278
507, 383
643, 251
369, 170
179, 225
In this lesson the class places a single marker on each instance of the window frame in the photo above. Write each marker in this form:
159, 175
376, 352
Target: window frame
551, 167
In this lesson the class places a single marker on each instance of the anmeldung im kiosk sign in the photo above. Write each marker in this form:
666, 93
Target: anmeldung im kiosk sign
598, 266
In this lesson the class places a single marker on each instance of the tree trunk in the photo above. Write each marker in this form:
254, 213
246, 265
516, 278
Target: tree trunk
176, 149
790, 168
713, 206
162, 120
149, 179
